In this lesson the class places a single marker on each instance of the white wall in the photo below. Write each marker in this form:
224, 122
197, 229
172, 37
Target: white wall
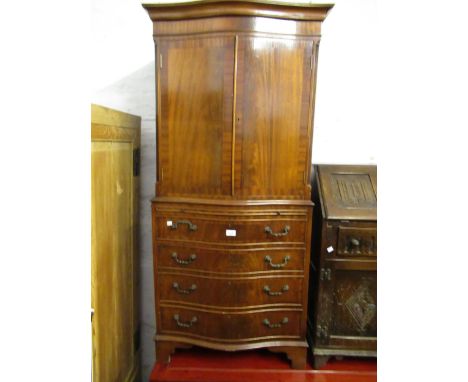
346, 119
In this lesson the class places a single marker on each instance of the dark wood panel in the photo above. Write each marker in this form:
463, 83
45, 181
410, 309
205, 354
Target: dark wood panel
349, 192
195, 136
355, 302
273, 99
228, 292
353, 241
336, 240
190, 258
347, 308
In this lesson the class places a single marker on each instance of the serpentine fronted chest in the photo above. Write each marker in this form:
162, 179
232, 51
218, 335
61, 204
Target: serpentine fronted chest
232, 215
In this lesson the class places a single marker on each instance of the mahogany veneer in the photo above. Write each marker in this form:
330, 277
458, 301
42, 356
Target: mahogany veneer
232, 215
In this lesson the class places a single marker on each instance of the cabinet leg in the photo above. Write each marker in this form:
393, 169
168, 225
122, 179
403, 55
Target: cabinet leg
164, 350
320, 360
297, 355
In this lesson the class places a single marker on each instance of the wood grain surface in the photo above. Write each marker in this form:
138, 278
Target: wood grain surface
235, 104
227, 261
114, 251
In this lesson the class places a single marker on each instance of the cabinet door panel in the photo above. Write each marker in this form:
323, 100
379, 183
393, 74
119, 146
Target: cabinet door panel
355, 308
272, 109
195, 132
348, 305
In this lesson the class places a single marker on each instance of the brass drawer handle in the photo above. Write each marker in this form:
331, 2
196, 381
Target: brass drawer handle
193, 288
191, 226
183, 324
268, 291
284, 321
191, 259
269, 260
277, 234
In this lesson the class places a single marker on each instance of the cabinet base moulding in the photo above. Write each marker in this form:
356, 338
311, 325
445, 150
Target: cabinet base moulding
296, 351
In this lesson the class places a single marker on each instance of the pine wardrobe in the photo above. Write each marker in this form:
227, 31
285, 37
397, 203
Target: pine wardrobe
232, 215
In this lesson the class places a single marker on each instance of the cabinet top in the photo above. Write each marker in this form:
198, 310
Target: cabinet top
179, 10
101, 115
348, 191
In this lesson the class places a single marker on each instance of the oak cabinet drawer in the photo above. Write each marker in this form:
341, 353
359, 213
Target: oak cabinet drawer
229, 261
232, 326
357, 241
227, 292
187, 228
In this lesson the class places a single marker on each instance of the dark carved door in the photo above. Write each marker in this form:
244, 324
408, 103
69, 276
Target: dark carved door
352, 302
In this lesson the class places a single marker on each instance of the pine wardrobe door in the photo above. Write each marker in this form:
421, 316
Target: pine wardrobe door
273, 109
114, 244
195, 102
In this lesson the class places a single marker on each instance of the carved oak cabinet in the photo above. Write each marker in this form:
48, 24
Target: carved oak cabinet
232, 215
343, 321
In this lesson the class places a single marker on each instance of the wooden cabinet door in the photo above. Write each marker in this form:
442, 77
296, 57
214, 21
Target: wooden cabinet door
348, 305
195, 95
273, 120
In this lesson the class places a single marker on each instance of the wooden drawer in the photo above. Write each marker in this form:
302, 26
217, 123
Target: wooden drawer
248, 226
230, 327
357, 241
229, 261
228, 292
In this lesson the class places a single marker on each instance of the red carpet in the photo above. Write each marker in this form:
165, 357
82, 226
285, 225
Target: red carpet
200, 365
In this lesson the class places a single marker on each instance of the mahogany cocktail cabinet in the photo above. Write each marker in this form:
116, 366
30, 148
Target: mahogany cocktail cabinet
232, 215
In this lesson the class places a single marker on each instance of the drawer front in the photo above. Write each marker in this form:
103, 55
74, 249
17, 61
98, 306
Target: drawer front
227, 292
357, 241
229, 261
230, 327
230, 230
